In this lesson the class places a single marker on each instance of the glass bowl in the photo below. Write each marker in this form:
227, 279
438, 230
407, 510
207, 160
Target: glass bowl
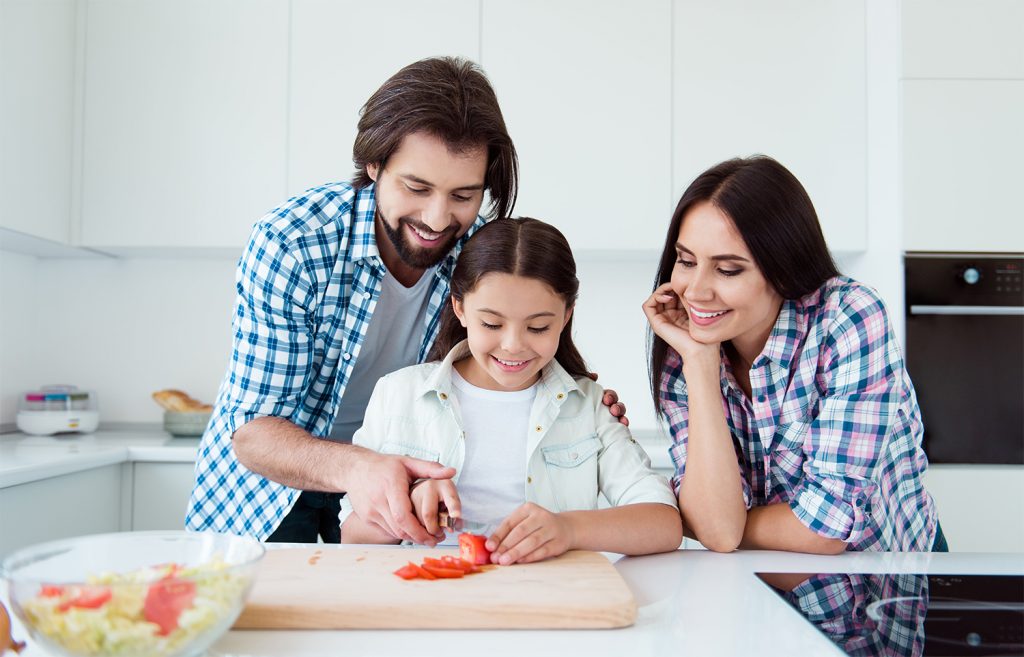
132, 594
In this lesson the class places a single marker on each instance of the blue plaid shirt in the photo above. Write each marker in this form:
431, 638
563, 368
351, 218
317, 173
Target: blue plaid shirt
307, 285
832, 426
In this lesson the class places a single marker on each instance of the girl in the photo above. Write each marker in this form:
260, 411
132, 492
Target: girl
506, 401
750, 315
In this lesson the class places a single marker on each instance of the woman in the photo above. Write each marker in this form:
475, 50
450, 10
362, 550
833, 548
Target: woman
819, 445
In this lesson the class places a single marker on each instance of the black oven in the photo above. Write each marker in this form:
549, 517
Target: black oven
965, 354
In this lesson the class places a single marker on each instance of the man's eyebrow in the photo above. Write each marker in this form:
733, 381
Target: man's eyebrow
546, 313
426, 183
725, 256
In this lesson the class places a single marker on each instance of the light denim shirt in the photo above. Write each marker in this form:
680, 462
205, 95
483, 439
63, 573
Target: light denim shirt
575, 451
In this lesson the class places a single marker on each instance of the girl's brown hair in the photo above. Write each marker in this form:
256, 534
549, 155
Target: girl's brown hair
520, 247
451, 99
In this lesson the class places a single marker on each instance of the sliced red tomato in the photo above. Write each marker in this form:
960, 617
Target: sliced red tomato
472, 548
425, 574
165, 601
87, 597
51, 591
444, 573
461, 564
408, 571
436, 563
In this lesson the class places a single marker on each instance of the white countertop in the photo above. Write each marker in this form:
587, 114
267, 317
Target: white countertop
25, 458
691, 602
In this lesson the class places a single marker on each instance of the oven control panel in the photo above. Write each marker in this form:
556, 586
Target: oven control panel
969, 279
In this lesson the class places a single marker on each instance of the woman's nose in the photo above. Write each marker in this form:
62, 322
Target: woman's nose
699, 287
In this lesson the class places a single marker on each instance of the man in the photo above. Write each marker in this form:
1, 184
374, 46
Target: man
338, 287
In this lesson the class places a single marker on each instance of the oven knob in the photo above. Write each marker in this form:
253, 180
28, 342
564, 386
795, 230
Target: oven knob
971, 275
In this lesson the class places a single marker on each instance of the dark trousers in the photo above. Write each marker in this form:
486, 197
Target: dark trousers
313, 515
940, 539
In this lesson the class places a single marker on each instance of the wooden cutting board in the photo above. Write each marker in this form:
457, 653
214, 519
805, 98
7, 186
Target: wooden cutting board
354, 588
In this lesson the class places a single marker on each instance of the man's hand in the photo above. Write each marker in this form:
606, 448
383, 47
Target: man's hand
379, 492
611, 400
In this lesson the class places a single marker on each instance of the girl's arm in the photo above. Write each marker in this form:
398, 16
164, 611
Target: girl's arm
710, 491
356, 530
532, 533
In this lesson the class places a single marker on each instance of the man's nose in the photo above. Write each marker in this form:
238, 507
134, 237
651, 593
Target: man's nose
436, 214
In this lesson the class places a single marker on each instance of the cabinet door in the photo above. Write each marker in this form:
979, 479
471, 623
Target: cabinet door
785, 79
962, 141
185, 120
87, 502
341, 53
160, 495
585, 89
972, 39
37, 66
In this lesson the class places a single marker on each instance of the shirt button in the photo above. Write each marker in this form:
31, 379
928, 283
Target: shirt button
560, 395
442, 396
347, 356
529, 480
573, 456
539, 429
762, 398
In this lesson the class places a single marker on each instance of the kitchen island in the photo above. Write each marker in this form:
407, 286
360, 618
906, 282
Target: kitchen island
690, 602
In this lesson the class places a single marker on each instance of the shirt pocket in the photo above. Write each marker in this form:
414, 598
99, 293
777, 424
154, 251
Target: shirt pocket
406, 449
572, 472
787, 456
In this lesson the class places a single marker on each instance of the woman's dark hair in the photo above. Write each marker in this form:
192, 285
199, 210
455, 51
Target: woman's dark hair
776, 219
451, 99
521, 247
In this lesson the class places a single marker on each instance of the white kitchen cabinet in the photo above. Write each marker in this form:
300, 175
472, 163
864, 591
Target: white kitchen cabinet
160, 493
185, 121
786, 79
980, 506
37, 83
341, 53
961, 142
585, 87
85, 502
964, 39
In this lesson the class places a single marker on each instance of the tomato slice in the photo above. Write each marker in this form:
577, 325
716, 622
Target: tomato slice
165, 601
87, 597
408, 571
425, 574
444, 573
461, 564
51, 591
472, 548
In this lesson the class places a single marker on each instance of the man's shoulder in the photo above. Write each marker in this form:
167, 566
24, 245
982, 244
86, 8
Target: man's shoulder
326, 209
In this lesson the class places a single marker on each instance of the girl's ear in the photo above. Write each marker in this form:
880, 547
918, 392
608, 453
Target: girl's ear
459, 312
568, 315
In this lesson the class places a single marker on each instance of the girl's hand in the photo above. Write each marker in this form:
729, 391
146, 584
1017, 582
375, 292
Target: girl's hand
427, 497
530, 533
669, 321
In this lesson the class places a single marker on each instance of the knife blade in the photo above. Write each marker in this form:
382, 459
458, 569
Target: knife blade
454, 524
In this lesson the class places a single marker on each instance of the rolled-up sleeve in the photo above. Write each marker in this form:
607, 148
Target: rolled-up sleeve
675, 412
272, 344
858, 374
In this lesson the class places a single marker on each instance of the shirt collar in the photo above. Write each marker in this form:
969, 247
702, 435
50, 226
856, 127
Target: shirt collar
364, 211
554, 380
787, 333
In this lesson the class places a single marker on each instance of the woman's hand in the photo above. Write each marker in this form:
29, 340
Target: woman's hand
530, 533
668, 318
427, 497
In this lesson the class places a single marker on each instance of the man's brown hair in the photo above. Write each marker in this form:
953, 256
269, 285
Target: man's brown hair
451, 99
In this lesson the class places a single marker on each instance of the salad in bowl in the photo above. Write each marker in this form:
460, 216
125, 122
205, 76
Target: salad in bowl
159, 594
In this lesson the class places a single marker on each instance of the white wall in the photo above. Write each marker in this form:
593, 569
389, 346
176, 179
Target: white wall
21, 350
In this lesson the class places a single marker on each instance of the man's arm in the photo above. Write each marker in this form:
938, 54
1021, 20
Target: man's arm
376, 484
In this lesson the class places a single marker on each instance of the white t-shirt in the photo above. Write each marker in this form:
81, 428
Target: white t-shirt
392, 342
496, 425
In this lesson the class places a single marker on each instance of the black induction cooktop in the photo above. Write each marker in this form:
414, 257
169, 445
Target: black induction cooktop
908, 615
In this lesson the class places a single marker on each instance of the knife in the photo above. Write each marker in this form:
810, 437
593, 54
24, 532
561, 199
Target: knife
453, 524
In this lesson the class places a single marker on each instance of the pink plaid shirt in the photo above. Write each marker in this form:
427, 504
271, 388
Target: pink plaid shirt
832, 426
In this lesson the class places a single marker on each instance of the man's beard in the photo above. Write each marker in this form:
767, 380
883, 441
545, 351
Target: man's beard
411, 254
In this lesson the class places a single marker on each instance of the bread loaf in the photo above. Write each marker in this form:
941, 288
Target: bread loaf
176, 400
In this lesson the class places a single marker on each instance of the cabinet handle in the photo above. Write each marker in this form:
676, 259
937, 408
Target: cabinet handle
967, 310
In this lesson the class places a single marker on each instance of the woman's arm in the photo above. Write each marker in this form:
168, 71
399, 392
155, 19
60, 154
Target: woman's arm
710, 491
776, 527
